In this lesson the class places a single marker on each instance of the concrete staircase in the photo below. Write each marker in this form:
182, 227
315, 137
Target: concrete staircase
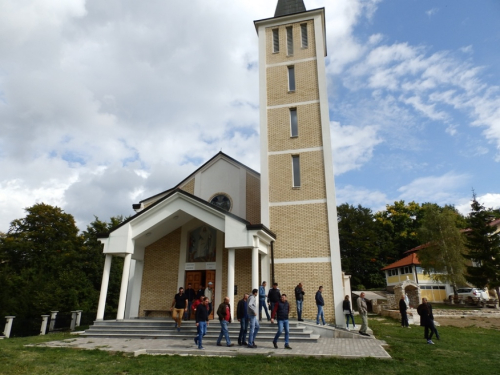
164, 329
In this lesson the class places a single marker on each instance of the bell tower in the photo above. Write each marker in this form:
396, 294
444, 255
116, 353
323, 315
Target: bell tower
297, 185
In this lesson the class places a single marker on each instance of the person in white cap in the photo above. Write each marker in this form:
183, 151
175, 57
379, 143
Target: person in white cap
209, 293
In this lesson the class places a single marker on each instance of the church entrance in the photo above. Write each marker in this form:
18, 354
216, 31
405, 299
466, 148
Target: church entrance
201, 278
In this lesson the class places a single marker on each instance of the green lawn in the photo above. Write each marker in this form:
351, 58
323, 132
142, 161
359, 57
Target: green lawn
460, 351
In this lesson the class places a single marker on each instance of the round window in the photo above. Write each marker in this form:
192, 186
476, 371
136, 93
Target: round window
222, 201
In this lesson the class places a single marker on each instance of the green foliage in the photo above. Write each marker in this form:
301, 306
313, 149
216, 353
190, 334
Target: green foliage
483, 246
362, 246
445, 244
401, 222
46, 265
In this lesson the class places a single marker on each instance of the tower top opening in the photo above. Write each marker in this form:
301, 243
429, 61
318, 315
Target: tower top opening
286, 7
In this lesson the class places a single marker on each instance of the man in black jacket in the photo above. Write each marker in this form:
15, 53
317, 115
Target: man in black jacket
273, 296
299, 298
402, 311
320, 302
242, 316
201, 317
281, 309
427, 320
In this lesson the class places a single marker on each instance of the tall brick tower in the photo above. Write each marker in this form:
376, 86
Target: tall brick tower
297, 184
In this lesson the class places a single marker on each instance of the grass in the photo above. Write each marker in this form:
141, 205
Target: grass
460, 350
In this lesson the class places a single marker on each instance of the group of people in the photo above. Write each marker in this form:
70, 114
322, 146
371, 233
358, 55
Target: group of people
187, 301
426, 317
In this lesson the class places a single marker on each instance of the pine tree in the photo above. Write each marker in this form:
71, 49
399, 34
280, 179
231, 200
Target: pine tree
483, 244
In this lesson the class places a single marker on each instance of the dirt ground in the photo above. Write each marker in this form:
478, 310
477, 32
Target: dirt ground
491, 323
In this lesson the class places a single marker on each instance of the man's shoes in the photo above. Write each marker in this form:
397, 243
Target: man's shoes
201, 347
363, 333
301, 320
287, 346
275, 345
244, 343
196, 340
230, 345
430, 342
219, 344
252, 346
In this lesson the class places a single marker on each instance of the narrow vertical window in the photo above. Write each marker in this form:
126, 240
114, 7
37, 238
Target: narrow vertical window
289, 40
294, 126
291, 78
276, 40
303, 29
296, 170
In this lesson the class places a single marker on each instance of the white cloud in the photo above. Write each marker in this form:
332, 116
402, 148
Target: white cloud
352, 146
488, 200
355, 195
432, 12
435, 189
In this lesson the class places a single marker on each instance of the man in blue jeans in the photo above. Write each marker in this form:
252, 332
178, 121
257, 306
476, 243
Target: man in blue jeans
262, 301
281, 310
320, 302
242, 316
201, 317
224, 314
299, 298
253, 316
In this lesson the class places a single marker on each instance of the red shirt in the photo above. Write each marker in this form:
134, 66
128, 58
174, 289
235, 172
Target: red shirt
228, 314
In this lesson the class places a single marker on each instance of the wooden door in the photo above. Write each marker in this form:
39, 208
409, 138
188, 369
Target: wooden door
195, 279
210, 276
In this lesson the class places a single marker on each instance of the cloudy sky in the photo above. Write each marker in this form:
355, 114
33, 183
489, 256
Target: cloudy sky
104, 103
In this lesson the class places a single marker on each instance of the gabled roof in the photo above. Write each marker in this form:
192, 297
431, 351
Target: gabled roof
286, 7
249, 225
406, 261
218, 155
415, 249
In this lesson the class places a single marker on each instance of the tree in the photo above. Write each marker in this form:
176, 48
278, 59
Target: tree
361, 246
401, 222
445, 245
41, 255
483, 245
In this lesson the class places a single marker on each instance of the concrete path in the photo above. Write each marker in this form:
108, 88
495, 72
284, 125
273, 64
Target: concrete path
355, 347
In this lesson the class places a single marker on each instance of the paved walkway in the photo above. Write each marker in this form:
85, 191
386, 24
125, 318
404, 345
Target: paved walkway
325, 347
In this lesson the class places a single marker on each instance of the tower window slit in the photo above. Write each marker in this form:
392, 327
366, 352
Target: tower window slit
289, 40
294, 125
296, 170
303, 29
276, 40
291, 78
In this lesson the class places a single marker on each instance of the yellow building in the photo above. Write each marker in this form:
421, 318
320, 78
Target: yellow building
234, 227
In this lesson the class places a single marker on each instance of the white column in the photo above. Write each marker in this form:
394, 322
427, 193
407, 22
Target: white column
53, 315
264, 270
43, 328
255, 268
8, 326
73, 320
230, 278
78, 317
104, 287
123, 289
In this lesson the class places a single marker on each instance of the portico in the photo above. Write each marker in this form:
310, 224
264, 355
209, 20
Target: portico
177, 219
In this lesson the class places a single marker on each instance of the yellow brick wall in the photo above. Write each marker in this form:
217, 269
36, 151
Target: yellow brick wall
298, 51
312, 177
188, 186
253, 199
309, 125
306, 84
159, 280
301, 231
243, 273
311, 275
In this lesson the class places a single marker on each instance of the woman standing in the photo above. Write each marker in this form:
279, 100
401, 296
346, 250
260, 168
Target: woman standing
346, 306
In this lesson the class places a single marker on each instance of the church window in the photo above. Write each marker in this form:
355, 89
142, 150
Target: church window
294, 126
221, 200
291, 78
289, 40
296, 170
276, 40
303, 30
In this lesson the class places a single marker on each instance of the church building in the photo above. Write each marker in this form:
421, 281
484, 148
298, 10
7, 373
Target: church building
230, 225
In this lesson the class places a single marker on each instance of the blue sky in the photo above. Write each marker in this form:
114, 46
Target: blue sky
105, 103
